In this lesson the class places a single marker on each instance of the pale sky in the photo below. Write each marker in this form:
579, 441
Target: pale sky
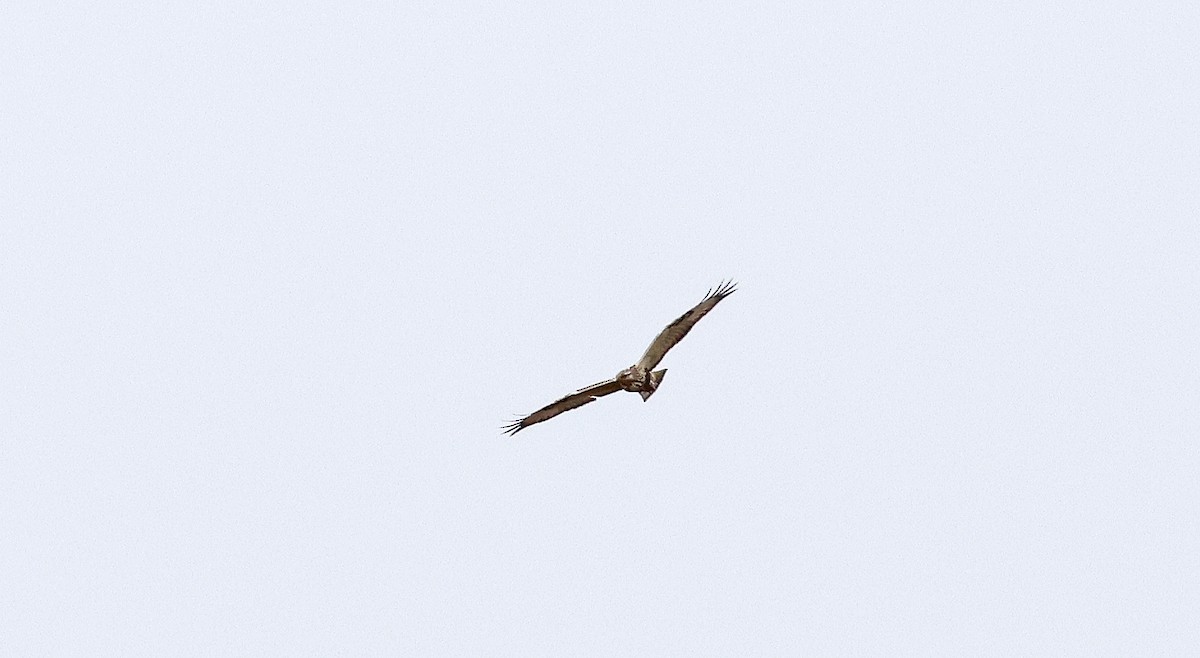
273, 275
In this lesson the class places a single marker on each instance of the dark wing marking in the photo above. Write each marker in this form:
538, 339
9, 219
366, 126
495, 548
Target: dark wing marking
675, 331
576, 399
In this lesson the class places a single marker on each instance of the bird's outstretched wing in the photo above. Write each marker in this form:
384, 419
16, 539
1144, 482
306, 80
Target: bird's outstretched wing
674, 332
576, 399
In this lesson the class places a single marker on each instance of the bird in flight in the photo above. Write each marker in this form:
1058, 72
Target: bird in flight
639, 377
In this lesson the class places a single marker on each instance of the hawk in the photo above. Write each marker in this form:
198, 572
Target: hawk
638, 378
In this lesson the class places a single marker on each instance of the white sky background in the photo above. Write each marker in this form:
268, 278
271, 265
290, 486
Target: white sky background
274, 274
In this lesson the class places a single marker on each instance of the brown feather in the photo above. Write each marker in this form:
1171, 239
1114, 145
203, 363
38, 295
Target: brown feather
572, 401
674, 332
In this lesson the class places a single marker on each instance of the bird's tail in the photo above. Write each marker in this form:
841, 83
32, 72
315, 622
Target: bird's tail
655, 378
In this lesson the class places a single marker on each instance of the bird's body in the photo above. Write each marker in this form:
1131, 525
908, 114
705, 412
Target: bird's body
640, 378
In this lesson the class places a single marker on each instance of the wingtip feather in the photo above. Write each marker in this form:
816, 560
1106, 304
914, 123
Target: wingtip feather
724, 289
512, 427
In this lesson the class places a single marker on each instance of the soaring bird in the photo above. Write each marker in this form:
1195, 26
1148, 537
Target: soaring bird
639, 377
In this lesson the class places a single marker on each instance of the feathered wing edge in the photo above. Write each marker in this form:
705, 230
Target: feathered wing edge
572, 401
674, 332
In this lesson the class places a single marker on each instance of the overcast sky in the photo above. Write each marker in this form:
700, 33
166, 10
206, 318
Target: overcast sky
274, 274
